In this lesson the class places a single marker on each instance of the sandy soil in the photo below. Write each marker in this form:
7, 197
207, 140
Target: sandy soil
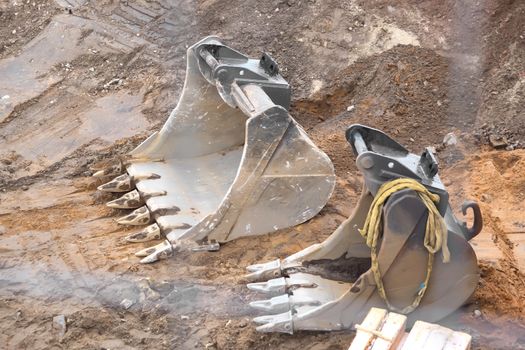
84, 81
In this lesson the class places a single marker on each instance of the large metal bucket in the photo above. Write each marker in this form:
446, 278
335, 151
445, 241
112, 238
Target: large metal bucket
332, 285
229, 162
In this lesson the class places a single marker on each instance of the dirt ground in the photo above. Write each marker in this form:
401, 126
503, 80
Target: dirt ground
83, 81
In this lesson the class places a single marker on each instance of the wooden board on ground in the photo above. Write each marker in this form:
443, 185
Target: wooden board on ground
382, 330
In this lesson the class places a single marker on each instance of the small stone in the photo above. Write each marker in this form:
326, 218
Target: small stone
412, 139
498, 141
59, 323
350, 108
477, 313
184, 317
25, 188
126, 303
486, 198
450, 139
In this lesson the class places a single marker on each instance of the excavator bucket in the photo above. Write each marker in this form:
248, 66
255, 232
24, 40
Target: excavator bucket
332, 285
229, 162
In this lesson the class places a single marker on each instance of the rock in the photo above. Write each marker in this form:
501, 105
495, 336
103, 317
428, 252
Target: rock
184, 317
450, 139
59, 323
113, 82
498, 142
350, 108
477, 313
486, 198
126, 303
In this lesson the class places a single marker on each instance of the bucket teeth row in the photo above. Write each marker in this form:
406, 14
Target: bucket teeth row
149, 233
300, 295
140, 216
130, 200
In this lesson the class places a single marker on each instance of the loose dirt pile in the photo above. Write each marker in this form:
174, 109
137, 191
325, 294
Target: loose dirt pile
84, 81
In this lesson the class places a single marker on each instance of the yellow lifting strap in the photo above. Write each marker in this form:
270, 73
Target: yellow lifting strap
435, 234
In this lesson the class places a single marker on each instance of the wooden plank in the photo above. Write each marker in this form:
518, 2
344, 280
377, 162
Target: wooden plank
458, 341
393, 328
417, 337
381, 330
438, 337
402, 341
372, 321
430, 336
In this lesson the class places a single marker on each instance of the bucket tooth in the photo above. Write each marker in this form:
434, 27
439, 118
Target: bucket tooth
285, 302
130, 200
155, 253
140, 216
271, 269
146, 176
274, 286
150, 194
149, 233
112, 170
282, 323
276, 304
122, 183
